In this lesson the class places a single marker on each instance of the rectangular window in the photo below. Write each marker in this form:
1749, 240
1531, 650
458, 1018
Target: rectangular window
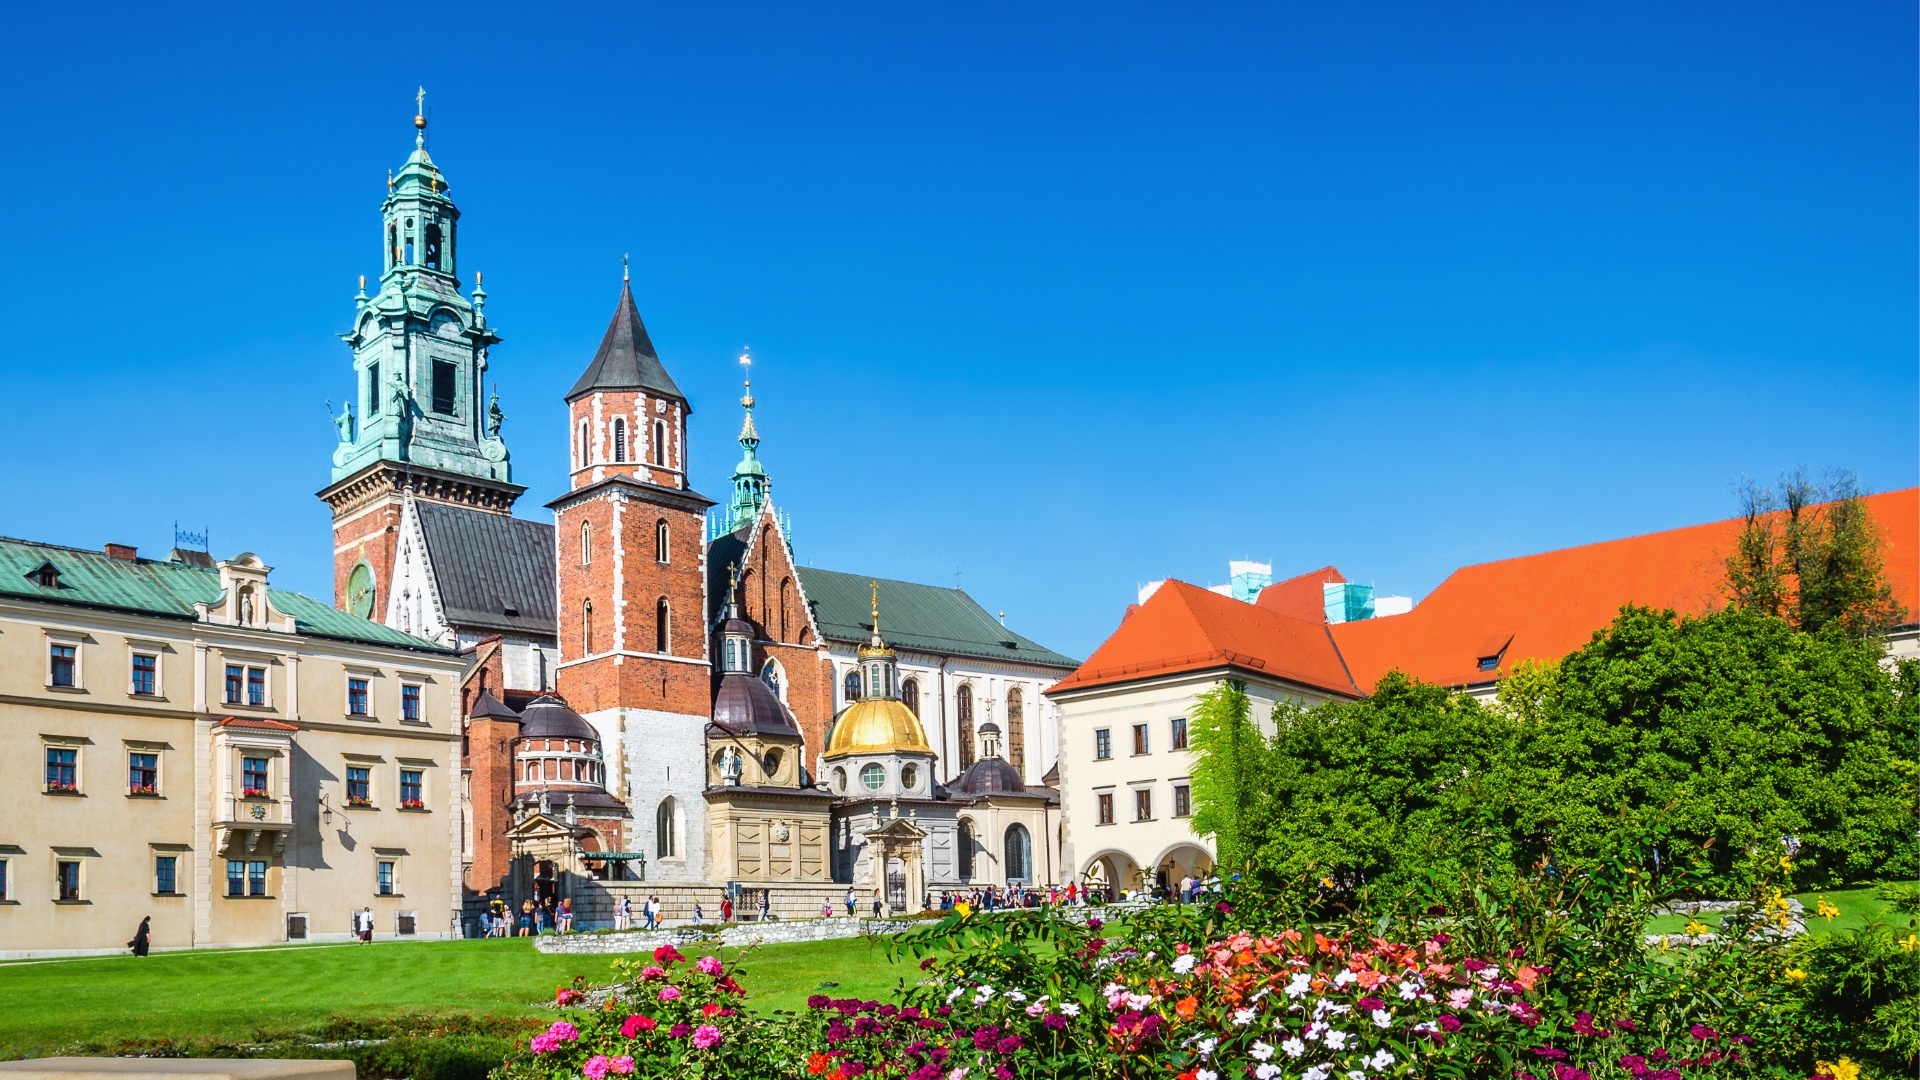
1143, 804
385, 878
235, 677
63, 665
356, 697
373, 390
1179, 739
68, 873
253, 777
236, 878
1102, 744
256, 879
63, 769
256, 686
410, 703
143, 773
1182, 801
3, 879
165, 874
1106, 808
146, 674
1139, 738
410, 789
359, 786
443, 387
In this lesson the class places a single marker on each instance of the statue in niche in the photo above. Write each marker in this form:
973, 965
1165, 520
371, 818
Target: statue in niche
730, 767
495, 415
344, 422
246, 606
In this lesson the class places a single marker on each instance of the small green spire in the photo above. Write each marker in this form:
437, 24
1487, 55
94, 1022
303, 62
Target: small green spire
750, 480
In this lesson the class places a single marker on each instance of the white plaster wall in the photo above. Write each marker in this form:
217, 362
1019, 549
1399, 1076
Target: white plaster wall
656, 755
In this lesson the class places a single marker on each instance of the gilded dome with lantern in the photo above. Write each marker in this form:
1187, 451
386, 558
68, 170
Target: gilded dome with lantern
879, 723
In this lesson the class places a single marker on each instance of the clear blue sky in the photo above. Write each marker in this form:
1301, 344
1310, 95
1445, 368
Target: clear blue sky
1048, 301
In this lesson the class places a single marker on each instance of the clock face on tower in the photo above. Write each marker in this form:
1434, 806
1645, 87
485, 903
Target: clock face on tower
360, 591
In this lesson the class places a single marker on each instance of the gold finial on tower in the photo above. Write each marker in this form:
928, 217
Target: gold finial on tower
389, 181
363, 283
476, 279
746, 363
875, 586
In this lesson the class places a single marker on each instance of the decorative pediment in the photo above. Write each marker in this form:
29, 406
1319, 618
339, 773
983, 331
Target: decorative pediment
897, 829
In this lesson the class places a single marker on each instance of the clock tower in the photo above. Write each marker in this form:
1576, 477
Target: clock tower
416, 425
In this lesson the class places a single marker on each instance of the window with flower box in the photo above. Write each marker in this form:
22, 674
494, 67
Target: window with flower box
63, 770
253, 778
359, 785
143, 773
412, 790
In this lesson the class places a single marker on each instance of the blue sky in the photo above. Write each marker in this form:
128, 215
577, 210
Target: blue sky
1045, 301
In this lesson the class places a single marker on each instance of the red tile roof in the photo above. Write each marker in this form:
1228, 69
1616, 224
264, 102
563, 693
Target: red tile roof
1545, 606
1184, 628
1301, 597
257, 723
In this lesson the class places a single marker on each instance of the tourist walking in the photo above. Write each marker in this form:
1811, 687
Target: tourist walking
526, 918
566, 915
623, 915
139, 943
726, 909
876, 903
652, 912
699, 913
501, 918
363, 922
851, 901
763, 907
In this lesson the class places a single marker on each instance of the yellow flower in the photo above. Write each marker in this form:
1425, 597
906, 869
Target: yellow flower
1796, 974
1326, 883
1827, 911
1695, 927
1910, 942
1844, 1069
1786, 864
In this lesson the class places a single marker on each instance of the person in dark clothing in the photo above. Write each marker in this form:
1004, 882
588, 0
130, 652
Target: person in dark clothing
139, 942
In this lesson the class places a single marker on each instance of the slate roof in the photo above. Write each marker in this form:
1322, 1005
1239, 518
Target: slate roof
920, 618
626, 360
169, 590
487, 565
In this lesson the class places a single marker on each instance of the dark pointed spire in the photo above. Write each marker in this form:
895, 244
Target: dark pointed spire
626, 360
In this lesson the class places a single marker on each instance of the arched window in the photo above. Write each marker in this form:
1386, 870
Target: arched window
910, 695
586, 542
1019, 855
659, 442
529, 771
393, 246
585, 444
963, 708
786, 586
662, 618
433, 247
619, 440
662, 547
586, 627
774, 677
850, 687
664, 842
1016, 717
966, 850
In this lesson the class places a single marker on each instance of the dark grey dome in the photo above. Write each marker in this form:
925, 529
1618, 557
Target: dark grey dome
547, 717
990, 776
745, 705
989, 728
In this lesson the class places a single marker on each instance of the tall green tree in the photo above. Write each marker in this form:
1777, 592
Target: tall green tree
1810, 553
1231, 772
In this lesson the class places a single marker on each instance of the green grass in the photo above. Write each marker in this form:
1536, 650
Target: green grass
1858, 907
256, 994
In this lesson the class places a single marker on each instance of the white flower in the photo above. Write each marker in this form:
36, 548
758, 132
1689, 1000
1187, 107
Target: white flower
1242, 1017
981, 994
1294, 1047
959, 1072
1015, 995
1111, 989
1207, 1045
1139, 1001
1408, 991
957, 991
1184, 964
1345, 978
1261, 1051
1337, 1040
1205, 1074
1318, 1072
1314, 1030
1381, 1018
1260, 993
1356, 1074
1379, 1061
1267, 1071
1070, 1008
1299, 985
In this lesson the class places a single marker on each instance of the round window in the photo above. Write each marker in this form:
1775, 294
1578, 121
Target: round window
873, 776
772, 761
908, 775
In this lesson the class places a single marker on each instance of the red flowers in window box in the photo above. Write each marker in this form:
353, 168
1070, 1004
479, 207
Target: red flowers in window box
142, 789
55, 785
254, 793
413, 804
358, 802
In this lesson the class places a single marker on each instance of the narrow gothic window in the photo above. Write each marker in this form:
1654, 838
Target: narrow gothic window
393, 246
1016, 719
586, 627
664, 846
433, 247
1018, 861
786, 585
583, 444
586, 542
910, 695
851, 686
443, 375
373, 389
963, 706
619, 441
661, 615
661, 550
659, 443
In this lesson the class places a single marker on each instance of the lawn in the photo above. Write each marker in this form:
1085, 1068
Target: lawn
255, 994
1857, 907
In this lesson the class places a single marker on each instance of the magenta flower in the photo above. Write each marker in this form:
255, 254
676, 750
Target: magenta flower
543, 1043
596, 1067
667, 954
563, 1031
706, 1037
622, 1065
709, 965
653, 972
669, 993
634, 1025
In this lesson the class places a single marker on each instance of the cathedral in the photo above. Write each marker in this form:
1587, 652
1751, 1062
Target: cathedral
659, 698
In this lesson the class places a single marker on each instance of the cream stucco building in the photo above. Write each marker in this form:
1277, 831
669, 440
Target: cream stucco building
241, 764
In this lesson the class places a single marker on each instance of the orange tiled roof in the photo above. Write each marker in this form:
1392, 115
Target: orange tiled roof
1185, 628
1301, 597
257, 723
1542, 607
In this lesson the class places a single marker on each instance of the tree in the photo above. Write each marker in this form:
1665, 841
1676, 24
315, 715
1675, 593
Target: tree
1810, 553
1230, 773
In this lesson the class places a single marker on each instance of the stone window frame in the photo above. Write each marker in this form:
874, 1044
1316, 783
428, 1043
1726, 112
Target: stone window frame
76, 743
418, 685
79, 858
182, 856
366, 676
68, 640
159, 752
1103, 806
155, 651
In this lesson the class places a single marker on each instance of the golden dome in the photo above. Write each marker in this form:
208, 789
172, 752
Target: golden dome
877, 726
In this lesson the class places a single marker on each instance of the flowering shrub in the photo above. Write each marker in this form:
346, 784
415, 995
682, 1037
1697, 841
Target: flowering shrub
413, 804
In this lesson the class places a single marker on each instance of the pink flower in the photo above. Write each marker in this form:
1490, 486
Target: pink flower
669, 993
563, 1031
1459, 999
543, 1043
667, 954
634, 1025
596, 1067
706, 1037
653, 972
622, 1065
709, 965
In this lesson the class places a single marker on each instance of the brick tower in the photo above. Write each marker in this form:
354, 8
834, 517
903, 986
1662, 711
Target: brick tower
420, 360
633, 611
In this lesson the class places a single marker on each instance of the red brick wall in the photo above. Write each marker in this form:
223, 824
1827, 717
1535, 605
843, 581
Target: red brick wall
374, 536
490, 757
771, 598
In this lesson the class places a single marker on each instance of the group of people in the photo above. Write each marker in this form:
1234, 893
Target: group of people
651, 912
499, 920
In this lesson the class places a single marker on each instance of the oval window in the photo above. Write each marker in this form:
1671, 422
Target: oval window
908, 775
873, 776
840, 780
772, 761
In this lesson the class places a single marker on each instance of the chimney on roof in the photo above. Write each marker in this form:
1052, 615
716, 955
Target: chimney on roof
122, 551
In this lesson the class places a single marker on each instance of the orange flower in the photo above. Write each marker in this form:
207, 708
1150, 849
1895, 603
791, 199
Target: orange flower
818, 1063
1186, 1007
1527, 977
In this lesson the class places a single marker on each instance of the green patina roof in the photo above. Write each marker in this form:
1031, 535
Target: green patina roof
923, 618
169, 590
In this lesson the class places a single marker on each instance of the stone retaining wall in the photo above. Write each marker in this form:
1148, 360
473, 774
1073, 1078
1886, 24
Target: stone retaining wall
734, 935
